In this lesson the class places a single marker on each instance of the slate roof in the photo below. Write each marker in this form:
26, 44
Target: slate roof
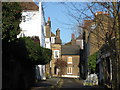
70, 50
28, 6
70, 43
52, 34
80, 37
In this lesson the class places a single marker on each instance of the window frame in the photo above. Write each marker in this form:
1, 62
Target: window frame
52, 39
69, 70
57, 53
67, 60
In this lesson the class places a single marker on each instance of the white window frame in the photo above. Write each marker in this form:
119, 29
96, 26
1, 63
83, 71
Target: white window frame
24, 18
52, 39
68, 69
47, 40
82, 44
67, 60
57, 52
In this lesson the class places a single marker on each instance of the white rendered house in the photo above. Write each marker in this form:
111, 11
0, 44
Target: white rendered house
33, 24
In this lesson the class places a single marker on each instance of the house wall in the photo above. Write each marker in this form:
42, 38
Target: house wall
32, 24
48, 34
55, 47
79, 42
74, 65
47, 43
104, 66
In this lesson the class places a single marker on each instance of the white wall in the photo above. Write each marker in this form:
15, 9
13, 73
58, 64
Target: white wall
34, 25
31, 27
47, 42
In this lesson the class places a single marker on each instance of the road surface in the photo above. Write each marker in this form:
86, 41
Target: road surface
71, 83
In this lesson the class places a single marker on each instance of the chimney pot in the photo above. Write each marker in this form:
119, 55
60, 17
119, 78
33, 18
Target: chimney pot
73, 36
48, 18
58, 32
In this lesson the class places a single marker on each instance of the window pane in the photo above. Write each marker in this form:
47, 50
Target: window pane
69, 60
56, 54
69, 70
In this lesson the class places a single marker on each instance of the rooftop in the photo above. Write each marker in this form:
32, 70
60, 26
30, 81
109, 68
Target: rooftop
70, 50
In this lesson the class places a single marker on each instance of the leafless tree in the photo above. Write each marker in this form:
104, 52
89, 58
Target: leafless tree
61, 65
103, 28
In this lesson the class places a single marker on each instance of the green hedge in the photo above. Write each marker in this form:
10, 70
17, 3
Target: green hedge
33, 51
22, 49
26, 50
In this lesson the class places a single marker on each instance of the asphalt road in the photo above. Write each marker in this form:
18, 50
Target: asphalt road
70, 83
76, 84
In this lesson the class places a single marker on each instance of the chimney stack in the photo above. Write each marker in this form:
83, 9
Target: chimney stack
58, 33
48, 28
48, 18
49, 22
73, 39
73, 36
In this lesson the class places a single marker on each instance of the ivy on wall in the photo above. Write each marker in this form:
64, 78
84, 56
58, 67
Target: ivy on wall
92, 62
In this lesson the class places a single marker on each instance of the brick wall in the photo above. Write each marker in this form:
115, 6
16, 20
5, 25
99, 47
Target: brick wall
74, 65
55, 47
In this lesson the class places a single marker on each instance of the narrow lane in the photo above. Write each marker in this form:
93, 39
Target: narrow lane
72, 83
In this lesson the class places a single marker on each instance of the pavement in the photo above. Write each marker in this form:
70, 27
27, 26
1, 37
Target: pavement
49, 83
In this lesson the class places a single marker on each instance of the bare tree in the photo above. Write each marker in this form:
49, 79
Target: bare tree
61, 65
104, 27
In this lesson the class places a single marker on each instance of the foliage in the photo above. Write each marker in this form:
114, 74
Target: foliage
92, 62
47, 55
11, 15
19, 55
44, 55
22, 49
61, 65
31, 51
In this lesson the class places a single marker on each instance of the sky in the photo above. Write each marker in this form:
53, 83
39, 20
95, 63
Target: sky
59, 19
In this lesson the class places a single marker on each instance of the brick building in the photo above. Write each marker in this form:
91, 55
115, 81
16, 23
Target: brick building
71, 54
56, 51
52, 42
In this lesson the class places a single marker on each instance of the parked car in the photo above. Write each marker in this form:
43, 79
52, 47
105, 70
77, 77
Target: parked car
92, 79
